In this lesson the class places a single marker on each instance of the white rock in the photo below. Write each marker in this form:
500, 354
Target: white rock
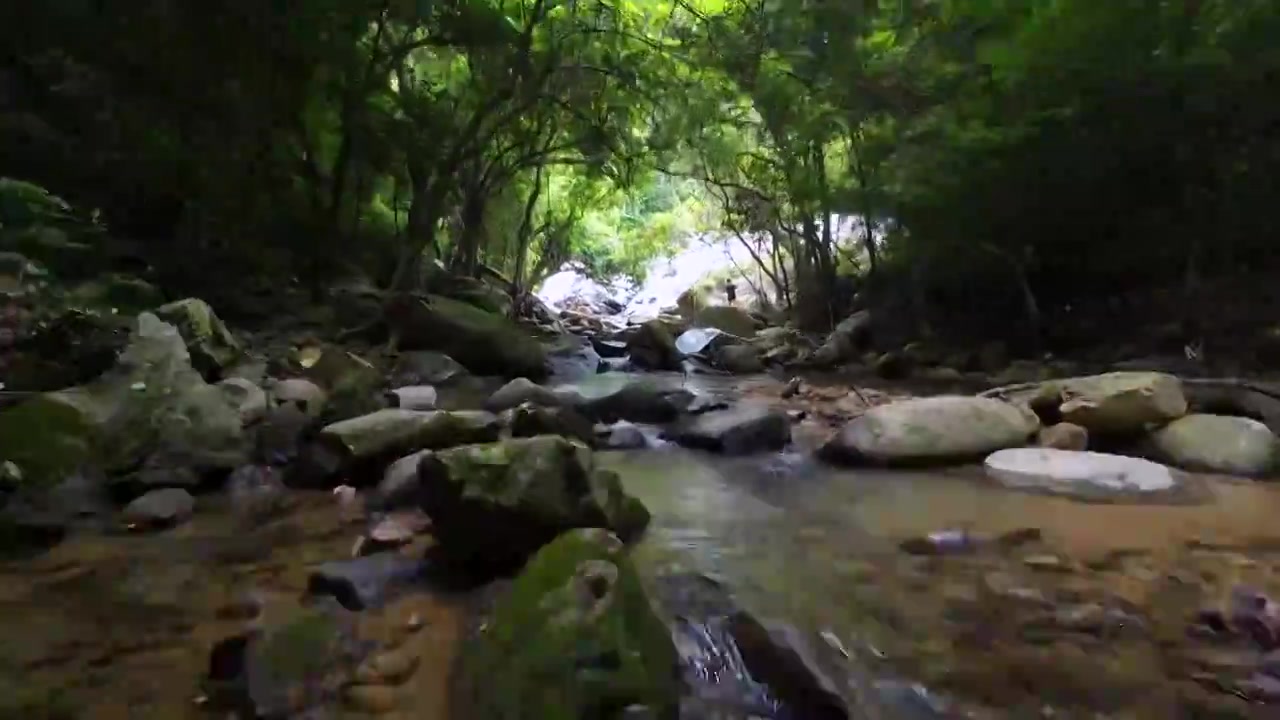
1075, 471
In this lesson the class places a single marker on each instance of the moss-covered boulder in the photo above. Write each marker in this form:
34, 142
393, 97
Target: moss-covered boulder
397, 431
212, 346
652, 346
354, 385
494, 505
485, 343
574, 639
47, 439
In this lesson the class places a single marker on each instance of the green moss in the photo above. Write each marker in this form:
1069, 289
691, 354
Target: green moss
484, 342
551, 653
47, 439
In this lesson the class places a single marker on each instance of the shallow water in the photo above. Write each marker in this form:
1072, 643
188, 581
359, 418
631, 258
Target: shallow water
818, 548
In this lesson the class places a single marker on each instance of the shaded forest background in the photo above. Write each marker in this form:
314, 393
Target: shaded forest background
1060, 173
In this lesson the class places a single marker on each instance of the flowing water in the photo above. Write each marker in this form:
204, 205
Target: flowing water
1055, 608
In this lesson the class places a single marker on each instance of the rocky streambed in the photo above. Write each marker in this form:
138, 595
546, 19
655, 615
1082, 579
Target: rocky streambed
326, 531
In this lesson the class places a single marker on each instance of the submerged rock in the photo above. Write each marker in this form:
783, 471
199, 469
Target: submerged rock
1217, 443
364, 582
935, 429
483, 342
493, 505
734, 431
1078, 472
574, 638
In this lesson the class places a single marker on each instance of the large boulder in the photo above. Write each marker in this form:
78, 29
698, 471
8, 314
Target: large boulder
485, 343
47, 439
653, 347
726, 318
212, 346
520, 391
575, 638
734, 431
739, 359
495, 504
1121, 403
1216, 443
936, 429
850, 337
154, 401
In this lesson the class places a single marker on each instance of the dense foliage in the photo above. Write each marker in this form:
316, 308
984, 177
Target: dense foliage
1020, 159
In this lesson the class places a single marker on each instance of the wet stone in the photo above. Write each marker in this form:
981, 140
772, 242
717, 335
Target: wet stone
364, 582
159, 509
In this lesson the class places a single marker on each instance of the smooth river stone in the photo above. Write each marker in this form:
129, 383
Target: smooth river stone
1075, 471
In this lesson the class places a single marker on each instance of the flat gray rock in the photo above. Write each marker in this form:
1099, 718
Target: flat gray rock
1073, 472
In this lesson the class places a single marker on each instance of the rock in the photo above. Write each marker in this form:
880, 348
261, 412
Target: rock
393, 530
739, 359
641, 402
726, 318
365, 582
1216, 443
575, 635
40, 515
626, 436
520, 391
413, 397
738, 430
609, 348
1063, 436
399, 485
892, 366
163, 469
936, 429
159, 509
393, 667
48, 439
1122, 402
653, 347
279, 436
154, 402
301, 663
529, 420
851, 336
484, 342
307, 396
396, 431
1074, 472
495, 504
212, 346
257, 493
249, 400
992, 357
353, 384
778, 656
424, 367
941, 374
573, 358
124, 293
479, 293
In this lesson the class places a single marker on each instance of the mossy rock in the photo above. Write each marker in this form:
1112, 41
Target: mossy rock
47, 439
575, 638
212, 346
493, 505
485, 343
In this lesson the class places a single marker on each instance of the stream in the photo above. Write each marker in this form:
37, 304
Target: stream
1051, 608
